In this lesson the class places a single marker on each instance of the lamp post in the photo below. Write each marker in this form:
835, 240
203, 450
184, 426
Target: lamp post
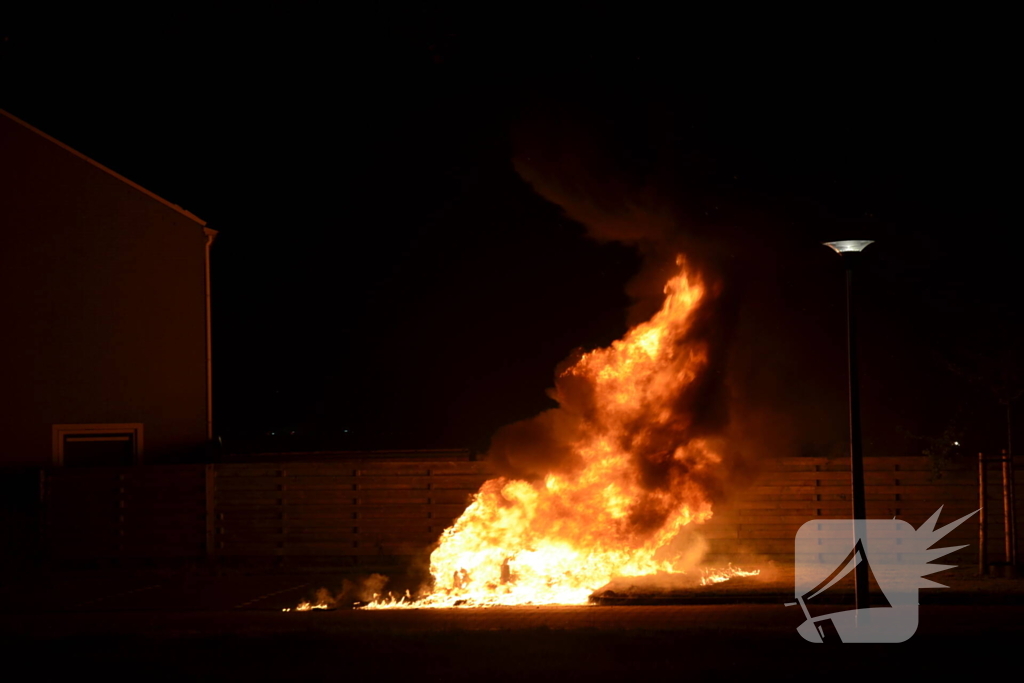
850, 251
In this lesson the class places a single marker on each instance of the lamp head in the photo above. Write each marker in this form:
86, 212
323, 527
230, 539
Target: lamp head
847, 246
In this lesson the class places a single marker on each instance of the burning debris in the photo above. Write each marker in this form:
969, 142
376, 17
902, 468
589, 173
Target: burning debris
633, 469
710, 576
353, 593
306, 607
637, 473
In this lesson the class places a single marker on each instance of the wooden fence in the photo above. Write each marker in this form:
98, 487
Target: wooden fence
140, 512
762, 521
369, 508
354, 509
373, 510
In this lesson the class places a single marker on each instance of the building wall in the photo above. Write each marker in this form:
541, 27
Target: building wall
103, 316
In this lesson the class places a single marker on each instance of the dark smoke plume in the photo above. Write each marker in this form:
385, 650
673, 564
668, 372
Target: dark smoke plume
752, 398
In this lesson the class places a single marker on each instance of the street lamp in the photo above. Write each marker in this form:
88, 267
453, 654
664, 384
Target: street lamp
850, 251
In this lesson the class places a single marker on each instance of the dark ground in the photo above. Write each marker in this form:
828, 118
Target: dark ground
178, 627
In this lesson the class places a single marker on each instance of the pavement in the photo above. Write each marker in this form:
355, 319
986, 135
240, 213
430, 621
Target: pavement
153, 626
963, 586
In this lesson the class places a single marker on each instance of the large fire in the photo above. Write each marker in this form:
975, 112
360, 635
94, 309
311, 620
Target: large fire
637, 480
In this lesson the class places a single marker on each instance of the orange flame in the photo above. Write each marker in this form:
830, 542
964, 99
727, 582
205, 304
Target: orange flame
711, 576
307, 606
557, 540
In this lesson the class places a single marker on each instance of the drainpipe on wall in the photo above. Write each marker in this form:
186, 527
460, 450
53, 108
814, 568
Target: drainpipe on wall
210, 235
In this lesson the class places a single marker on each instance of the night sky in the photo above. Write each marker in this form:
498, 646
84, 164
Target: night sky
386, 277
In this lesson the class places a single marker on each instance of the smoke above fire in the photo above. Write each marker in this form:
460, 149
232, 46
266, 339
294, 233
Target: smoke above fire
764, 391
563, 165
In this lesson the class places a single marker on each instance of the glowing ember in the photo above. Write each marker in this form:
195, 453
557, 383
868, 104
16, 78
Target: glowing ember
306, 607
711, 576
637, 482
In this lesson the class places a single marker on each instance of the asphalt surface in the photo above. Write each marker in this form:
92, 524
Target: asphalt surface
233, 628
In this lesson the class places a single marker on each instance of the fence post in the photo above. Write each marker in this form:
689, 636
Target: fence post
282, 545
122, 486
1008, 517
430, 500
982, 517
211, 511
357, 528
1012, 521
43, 520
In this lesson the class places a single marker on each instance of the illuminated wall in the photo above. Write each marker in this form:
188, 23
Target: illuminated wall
103, 305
